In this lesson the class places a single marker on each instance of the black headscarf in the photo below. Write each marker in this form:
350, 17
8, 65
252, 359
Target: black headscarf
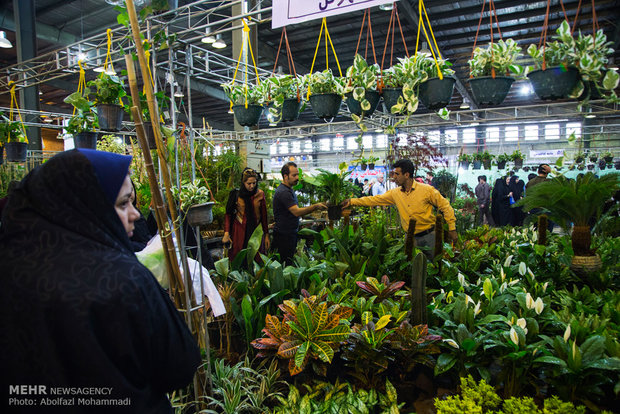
78, 309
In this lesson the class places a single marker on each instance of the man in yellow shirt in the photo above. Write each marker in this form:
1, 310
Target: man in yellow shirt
414, 201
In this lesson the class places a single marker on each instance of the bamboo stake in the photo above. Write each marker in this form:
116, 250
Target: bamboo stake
174, 273
150, 98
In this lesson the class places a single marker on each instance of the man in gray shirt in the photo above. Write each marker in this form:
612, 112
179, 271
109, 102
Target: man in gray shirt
483, 198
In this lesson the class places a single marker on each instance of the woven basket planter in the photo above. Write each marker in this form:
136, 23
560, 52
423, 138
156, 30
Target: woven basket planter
582, 265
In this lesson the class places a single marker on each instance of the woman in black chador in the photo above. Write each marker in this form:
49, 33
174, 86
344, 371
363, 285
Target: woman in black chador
500, 202
516, 188
78, 309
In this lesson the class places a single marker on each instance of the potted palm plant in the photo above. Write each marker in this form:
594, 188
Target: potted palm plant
247, 102
578, 203
107, 96
13, 138
491, 68
83, 123
360, 89
283, 95
325, 93
334, 188
194, 199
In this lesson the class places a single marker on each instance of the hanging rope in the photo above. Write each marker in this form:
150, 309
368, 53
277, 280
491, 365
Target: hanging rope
289, 56
245, 40
433, 46
492, 12
14, 108
108, 56
316, 50
542, 43
81, 82
595, 26
391, 26
372, 42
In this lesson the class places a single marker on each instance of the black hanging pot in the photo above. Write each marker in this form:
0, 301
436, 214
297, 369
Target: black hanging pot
85, 140
16, 151
617, 165
436, 93
554, 83
334, 212
371, 166
110, 117
390, 97
602, 164
518, 163
486, 164
290, 109
150, 135
464, 165
325, 105
363, 166
501, 165
477, 165
247, 116
355, 107
487, 90
590, 166
200, 214
609, 159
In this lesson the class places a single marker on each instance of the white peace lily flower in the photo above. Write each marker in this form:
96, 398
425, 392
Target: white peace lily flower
513, 336
529, 301
477, 308
513, 282
513, 243
567, 333
461, 279
508, 261
539, 306
522, 268
574, 349
523, 324
467, 300
502, 274
534, 237
545, 286
503, 287
452, 343
530, 273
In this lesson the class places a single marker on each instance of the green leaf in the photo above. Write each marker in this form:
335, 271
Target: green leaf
548, 359
444, 363
382, 322
300, 355
304, 317
610, 81
323, 350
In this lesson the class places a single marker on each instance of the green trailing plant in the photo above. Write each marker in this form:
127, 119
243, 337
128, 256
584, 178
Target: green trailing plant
191, 193
361, 77
324, 82
108, 89
85, 119
240, 94
499, 58
310, 329
588, 54
517, 155
11, 131
503, 158
465, 158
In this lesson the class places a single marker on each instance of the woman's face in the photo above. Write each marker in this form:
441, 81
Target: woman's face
508, 180
124, 206
250, 183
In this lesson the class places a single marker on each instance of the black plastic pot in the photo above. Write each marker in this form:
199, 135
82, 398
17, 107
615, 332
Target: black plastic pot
477, 165
617, 165
590, 166
290, 109
518, 163
85, 140
110, 117
436, 93
200, 214
501, 165
486, 164
390, 97
325, 105
554, 83
602, 164
464, 165
608, 160
487, 90
526, 168
16, 151
363, 166
247, 116
334, 212
355, 107
371, 166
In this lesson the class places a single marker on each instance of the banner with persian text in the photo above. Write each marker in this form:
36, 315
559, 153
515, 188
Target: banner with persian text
286, 12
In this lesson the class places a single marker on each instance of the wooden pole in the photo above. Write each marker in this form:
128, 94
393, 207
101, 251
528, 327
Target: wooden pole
152, 103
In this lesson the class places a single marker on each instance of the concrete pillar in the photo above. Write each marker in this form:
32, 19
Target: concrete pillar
26, 35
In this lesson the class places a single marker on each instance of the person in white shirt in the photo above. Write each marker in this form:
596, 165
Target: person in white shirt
378, 187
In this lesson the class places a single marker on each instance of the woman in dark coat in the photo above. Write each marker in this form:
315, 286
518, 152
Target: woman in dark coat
516, 188
500, 202
245, 210
78, 309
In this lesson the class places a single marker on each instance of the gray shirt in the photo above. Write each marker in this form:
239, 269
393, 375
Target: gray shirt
286, 222
483, 193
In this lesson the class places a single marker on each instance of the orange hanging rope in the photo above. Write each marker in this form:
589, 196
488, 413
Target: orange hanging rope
542, 43
492, 13
390, 33
595, 26
289, 58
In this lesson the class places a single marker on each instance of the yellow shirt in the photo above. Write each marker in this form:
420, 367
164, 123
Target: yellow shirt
417, 204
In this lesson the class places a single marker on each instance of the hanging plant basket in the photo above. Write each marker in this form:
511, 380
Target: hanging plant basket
602, 164
354, 105
486, 164
501, 165
200, 214
390, 97
290, 109
371, 166
464, 165
247, 116
334, 212
608, 159
518, 163
554, 83
436, 93
110, 117
150, 135
363, 166
487, 90
85, 140
325, 105
477, 165
16, 151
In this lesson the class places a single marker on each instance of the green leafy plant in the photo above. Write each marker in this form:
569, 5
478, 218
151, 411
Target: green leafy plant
191, 193
465, 158
361, 77
381, 290
240, 94
109, 89
85, 119
499, 58
310, 329
517, 155
334, 187
324, 82
503, 158
11, 131
277, 88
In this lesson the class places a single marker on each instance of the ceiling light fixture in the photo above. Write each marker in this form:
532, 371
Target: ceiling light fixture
82, 56
590, 114
4, 42
209, 38
386, 6
219, 42
464, 105
178, 93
